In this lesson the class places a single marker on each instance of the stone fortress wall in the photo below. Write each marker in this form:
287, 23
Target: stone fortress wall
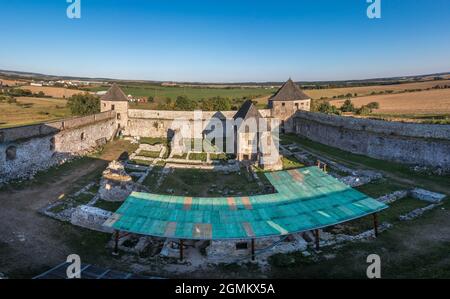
27, 149
157, 123
409, 143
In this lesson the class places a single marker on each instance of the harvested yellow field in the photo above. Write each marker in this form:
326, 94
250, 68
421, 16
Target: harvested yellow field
32, 110
423, 102
56, 92
11, 82
367, 90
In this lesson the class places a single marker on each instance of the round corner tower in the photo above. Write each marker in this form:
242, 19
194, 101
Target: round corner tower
116, 100
286, 102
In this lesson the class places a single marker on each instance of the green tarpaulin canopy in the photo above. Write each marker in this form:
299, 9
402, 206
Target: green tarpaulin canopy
306, 199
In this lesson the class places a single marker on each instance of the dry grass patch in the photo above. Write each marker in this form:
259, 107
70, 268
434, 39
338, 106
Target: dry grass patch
422, 102
367, 90
55, 92
32, 110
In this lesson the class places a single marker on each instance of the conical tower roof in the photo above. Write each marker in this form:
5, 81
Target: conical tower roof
114, 94
289, 92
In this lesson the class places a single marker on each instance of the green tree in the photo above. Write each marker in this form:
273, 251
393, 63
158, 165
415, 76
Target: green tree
327, 108
207, 105
373, 105
216, 104
18, 92
315, 104
348, 106
364, 110
167, 105
184, 103
150, 99
83, 104
222, 104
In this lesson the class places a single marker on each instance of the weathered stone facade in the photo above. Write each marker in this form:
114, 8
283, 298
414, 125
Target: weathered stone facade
116, 184
160, 123
285, 110
91, 218
28, 149
286, 102
408, 143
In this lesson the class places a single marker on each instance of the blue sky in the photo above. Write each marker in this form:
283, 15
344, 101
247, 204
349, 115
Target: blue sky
226, 41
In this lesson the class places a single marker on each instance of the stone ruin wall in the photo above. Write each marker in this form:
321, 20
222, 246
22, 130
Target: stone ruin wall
157, 123
408, 143
38, 147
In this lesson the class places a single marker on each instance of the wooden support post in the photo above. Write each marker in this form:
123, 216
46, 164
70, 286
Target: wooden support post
375, 223
181, 249
253, 249
317, 239
116, 243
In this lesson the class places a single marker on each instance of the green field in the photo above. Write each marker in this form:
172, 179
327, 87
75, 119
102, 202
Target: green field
195, 93
160, 93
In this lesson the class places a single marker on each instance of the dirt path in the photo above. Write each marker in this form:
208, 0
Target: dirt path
30, 241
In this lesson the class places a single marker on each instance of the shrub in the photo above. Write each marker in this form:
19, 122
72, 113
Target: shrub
373, 105
328, 109
216, 104
184, 103
282, 260
364, 110
11, 100
348, 106
83, 104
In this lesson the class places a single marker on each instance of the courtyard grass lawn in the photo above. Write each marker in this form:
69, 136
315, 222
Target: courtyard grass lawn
141, 162
71, 202
219, 157
183, 156
198, 156
50, 175
291, 163
390, 215
382, 187
108, 205
203, 183
153, 140
149, 154
397, 172
109, 150
152, 178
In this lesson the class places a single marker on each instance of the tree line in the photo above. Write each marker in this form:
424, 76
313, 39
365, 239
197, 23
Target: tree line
184, 103
85, 104
326, 107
